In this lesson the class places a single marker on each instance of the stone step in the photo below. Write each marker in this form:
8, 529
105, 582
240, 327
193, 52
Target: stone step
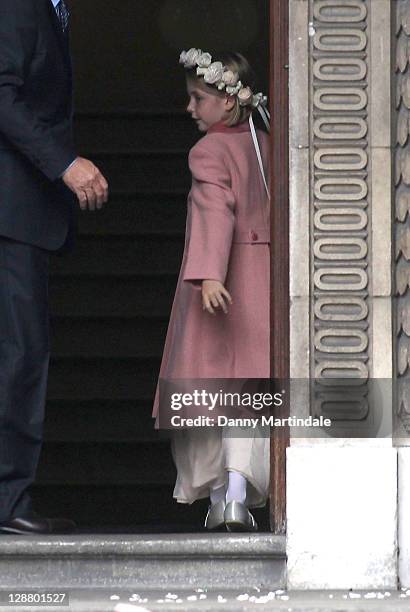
144, 561
102, 378
142, 130
111, 296
122, 256
99, 421
143, 507
120, 337
136, 213
107, 463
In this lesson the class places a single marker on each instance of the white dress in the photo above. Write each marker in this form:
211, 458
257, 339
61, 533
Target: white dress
203, 457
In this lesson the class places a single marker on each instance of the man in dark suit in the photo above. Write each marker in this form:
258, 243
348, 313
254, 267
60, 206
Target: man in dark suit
39, 174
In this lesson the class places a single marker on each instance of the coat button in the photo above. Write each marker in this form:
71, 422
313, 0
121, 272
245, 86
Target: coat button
254, 235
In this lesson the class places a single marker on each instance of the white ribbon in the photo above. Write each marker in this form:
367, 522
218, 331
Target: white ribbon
256, 143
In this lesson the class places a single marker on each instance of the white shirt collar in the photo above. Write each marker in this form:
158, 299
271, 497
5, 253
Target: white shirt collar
55, 2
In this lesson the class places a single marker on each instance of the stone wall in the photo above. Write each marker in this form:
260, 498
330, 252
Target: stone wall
341, 295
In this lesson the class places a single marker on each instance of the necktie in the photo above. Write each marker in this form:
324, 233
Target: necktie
63, 14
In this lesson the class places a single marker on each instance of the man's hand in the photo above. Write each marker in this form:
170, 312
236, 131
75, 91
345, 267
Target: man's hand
214, 295
88, 184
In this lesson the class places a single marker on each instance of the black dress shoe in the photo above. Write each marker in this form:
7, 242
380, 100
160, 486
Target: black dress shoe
26, 525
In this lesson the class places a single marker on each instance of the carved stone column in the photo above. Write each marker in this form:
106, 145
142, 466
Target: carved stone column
401, 236
341, 306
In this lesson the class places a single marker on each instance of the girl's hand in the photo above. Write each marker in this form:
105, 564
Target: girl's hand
214, 295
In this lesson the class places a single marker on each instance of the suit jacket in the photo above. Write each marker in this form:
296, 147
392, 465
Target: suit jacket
36, 142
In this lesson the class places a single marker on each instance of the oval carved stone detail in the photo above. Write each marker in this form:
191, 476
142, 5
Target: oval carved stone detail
340, 219
350, 372
333, 249
329, 341
340, 39
343, 69
340, 159
337, 11
340, 128
340, 279
341, 308
340, 189
337, 99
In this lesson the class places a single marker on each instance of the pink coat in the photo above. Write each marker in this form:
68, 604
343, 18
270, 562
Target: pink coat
227, 239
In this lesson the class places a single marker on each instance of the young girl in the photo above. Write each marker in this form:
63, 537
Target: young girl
219, 325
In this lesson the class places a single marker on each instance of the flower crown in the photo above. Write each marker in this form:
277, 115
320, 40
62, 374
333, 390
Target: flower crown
215, 73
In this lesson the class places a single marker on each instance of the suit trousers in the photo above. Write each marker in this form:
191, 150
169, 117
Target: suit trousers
24, 360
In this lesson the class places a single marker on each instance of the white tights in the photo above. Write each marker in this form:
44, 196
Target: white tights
236, 490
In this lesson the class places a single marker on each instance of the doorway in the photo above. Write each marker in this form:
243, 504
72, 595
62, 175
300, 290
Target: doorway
102, 462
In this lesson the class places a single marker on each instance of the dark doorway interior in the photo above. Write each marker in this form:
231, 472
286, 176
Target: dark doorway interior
102, 462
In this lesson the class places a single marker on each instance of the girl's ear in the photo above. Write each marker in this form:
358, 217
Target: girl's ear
229, 102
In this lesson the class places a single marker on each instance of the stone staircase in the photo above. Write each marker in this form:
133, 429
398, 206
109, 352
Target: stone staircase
174, 561
102, 462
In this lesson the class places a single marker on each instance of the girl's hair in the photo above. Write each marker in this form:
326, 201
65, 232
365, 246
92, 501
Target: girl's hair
239, 64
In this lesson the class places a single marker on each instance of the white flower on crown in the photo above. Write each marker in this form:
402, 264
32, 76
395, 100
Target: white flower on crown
204, 60
189, 58
233, 91
245, 96
230, 78
213, 74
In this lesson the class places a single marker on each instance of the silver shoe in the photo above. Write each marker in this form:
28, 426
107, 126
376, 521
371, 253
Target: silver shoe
215, 516
238, 518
